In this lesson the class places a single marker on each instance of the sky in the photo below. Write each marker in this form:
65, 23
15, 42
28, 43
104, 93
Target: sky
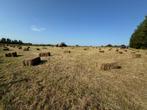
82, 22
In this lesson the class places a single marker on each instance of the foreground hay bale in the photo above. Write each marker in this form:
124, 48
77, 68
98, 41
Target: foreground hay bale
136, 55
13, 54
45, 54
32, 62
109, 66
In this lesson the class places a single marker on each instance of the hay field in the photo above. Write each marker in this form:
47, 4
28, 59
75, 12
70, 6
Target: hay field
73, 81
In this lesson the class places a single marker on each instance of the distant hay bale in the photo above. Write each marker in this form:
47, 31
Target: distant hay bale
44, 48
136, 55
13, 54
26, 49
108, 66
110, 49
85, 49
45, 54
32, 62
120, 52
5, 49
117, 50
37, 48
125, 50
19, 47
67, 51
101, 51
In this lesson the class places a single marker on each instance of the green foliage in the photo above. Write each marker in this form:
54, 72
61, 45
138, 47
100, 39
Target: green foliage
139, 37
9, 41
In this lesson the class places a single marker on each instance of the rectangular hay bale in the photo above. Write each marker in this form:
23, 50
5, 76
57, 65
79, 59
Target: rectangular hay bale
32, 62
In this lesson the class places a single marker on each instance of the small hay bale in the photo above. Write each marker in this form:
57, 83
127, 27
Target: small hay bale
32, 62
85, 49
13, 54
101, 51
125, 50
26, 49
110, 49
6, 49
108, 66
37, 48
19, 47
120, 52
136, 55
44, 48
67, 51
45, 54
117, 50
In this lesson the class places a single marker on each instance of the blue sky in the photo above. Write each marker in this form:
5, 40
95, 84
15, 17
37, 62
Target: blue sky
83, 22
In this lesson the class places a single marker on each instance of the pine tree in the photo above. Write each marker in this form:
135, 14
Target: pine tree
139, 37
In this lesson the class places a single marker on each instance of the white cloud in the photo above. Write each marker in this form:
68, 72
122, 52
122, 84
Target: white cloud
37, 29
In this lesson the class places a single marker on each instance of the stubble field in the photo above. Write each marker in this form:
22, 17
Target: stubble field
73, 81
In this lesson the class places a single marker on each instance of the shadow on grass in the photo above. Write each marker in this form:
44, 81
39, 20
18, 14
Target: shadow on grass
19, 55
42, 62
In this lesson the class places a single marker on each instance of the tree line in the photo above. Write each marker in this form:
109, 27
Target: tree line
9, 41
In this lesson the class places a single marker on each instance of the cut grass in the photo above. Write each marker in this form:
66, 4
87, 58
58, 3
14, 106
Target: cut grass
74, 81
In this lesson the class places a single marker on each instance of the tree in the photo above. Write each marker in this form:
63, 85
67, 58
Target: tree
3, 40
139, 37
8, 41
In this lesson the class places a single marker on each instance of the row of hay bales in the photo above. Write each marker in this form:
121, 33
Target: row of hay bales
12, 54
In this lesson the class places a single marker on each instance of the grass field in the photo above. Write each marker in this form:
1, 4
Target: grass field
73, 81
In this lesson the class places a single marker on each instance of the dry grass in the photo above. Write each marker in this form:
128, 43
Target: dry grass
73, 81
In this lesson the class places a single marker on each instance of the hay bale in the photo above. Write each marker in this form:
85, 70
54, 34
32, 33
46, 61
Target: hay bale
13, 54
101, 51
5, 49
26, 49
67, 51
109, 66
37, 48
19, 47
125, 50
45, 54
136, 55
85, 49
110, 49
32, 62
120, 52
117, 50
